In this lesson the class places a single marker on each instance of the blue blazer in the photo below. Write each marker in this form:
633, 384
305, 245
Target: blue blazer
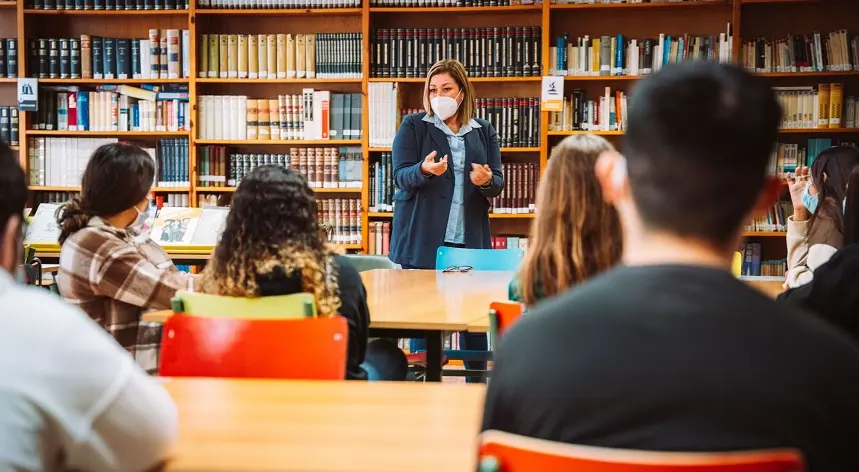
422, 204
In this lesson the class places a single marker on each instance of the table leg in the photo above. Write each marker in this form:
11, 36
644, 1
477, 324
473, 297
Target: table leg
434, 355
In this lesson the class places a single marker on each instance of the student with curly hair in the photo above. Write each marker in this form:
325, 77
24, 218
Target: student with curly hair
271, 246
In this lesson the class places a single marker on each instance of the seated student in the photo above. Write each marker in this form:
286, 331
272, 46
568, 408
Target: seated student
816, 228
563, 250
833, 294
109, 266
271, 246
669, 351
70, 397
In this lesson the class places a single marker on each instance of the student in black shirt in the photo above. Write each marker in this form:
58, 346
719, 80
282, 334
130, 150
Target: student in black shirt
669, 351
271, 246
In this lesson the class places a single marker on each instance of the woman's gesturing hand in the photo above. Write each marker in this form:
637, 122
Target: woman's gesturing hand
796, 184
480, 174
430, 167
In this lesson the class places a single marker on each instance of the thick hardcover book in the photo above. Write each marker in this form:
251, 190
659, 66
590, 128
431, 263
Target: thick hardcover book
12, 58
5, 122
3, 60
136, 71
98, 4
13, 126
74, 58
97, 58
123, 61
86, 56
65, 59
53, 58
42, 68
108, 63
32, 58
50, 4
110, 4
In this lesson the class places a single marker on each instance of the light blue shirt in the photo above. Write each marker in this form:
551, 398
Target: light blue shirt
455, 232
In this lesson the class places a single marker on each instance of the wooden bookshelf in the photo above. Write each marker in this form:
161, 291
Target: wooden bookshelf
749, 19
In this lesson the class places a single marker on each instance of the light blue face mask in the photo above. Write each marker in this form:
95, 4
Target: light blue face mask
810, 201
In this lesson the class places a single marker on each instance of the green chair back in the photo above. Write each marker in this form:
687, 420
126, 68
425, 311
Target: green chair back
293, 306
365, 262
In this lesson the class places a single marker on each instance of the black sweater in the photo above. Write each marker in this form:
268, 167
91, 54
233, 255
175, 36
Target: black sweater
353, 298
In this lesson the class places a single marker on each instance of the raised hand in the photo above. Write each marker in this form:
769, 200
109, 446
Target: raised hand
796, 184
430, 167
480, 174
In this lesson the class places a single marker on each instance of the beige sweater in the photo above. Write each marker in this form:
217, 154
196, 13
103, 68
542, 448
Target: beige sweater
806, 251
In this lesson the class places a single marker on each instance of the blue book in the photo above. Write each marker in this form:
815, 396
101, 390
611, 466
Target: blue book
620, 56
561, 44
666, 53
83, 111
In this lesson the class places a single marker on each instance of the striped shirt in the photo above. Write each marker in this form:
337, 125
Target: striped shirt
114, 280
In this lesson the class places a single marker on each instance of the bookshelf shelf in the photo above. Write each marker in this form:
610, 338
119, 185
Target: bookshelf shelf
810, 74
584, 78
501, 9
8, 81
8, 4
819, 131
759, 2
216, 189
54, 189
519, 149
15, 148
598, 133
316, 190
121, 134
112, 13
170, 190
350, 246
764, 234
380, 214
511, 216
277, 81
420, 80
379, 149
113, 81
613, 6
229, 142
281, 12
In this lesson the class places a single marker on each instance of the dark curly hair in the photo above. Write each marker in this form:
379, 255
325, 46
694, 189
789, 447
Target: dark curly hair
272, 228
117, 177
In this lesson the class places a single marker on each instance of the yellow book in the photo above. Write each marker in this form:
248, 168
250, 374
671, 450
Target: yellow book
835, 102
262, 60
253, 118
214, 55
281, 56
243, 56
263, 130
223, 61
253, 57
271, 55
595, 60
233, 57
290, 57
823, 91
203, 57
310, 55
300, 56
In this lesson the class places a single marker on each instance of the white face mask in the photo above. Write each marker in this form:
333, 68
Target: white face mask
141, 226
444, 107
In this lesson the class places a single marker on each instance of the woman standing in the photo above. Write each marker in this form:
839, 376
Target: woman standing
816, 229
447, 165
564, 251
108, 265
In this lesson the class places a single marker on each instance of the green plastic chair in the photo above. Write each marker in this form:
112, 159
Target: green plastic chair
297, 305
365, 262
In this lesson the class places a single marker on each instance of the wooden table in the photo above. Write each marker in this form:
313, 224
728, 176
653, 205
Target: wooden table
281, 425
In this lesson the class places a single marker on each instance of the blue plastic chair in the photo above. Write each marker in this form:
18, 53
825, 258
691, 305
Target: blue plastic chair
479, 259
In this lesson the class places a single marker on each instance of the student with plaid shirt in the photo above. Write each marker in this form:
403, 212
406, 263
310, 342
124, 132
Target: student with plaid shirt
109, 267
70, 397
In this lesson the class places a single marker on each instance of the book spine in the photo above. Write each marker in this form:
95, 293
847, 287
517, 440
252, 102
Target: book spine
53, 59
136, 71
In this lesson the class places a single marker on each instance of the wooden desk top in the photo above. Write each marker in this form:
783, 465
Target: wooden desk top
428, 299
278, 425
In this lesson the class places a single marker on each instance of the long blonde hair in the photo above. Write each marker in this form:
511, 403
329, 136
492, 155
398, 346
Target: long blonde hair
457, 72
575, 234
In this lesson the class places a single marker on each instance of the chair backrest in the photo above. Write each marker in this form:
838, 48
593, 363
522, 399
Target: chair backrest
297, 305
513, 453
479, 259
365, 262
203, 346
502, 315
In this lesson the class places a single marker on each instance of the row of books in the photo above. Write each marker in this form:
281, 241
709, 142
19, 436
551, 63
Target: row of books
379, 242
312, 115
815, 52
775, 219
343, 215
280, 56
205, 200
811, 107
165, 54
787, 157
617, 2
328, 167
53, 197
176, 200
277, 4
620, 56
108, 4
608, 112
9, 125
516, 119
451, 3
173, 168
520, 188
509, 242
754, 266
8, 58
485, 52
112, 108
384, 103
60, 162
381, 183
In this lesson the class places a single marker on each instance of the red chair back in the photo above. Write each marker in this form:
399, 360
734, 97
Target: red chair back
201, 346
507, 452
502, 315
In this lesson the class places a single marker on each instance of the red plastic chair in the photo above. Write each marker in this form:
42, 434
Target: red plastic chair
505, 452
502, 315
201, 346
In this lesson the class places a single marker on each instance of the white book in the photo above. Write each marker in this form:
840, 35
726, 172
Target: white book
243, 114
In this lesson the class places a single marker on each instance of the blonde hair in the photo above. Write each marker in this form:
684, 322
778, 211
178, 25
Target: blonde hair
575, 234
455, 69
